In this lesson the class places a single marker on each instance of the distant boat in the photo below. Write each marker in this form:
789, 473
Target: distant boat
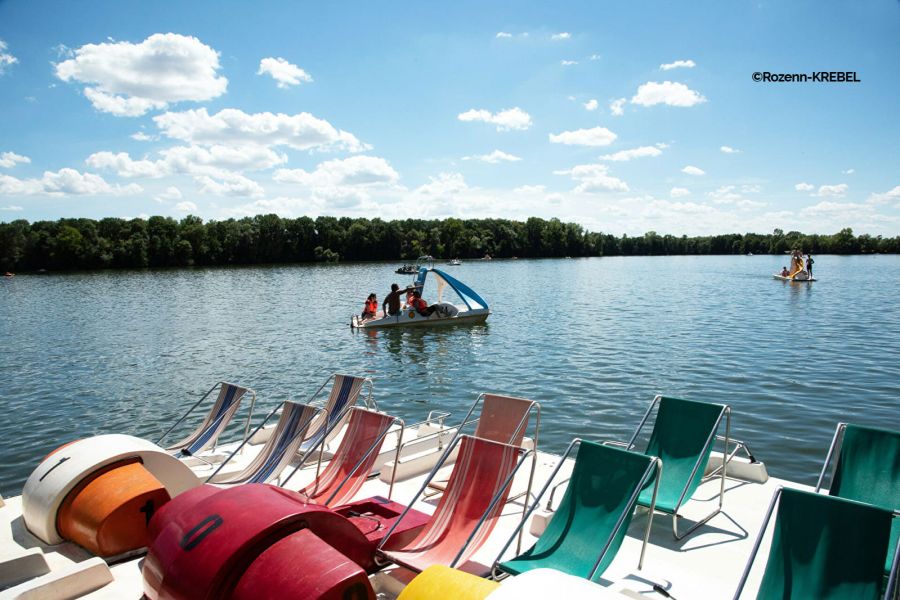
407, 270
8, 274
749, 254
455, 262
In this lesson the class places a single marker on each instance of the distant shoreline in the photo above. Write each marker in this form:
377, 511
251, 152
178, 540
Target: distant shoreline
159, 242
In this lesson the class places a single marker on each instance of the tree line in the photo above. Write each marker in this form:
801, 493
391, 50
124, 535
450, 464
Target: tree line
69, 244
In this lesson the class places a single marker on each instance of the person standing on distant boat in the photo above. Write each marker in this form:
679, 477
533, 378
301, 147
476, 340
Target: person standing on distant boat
809, 264
391, 304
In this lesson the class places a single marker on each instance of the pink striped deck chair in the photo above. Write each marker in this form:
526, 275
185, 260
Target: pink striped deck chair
352, 462
467, 512
504, 419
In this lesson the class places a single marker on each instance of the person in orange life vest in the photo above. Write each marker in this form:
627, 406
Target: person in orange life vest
420, 305
371, 307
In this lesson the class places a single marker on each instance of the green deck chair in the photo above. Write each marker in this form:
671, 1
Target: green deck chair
587, 529
823, 548
867, 470
683, 436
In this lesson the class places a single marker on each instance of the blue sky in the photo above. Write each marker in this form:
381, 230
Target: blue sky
625, 117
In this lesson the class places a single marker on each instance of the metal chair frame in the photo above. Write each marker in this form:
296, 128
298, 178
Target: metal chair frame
319, 412
218, 384
656, 465
726, 413
319, 445
382, 558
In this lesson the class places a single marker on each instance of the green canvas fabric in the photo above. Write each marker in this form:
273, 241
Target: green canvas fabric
603, 480
679, 434
868, 470
825, 548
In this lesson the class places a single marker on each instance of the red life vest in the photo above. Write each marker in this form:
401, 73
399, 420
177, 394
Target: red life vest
419, 304
372, 306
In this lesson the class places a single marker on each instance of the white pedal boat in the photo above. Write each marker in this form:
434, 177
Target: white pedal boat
474, 309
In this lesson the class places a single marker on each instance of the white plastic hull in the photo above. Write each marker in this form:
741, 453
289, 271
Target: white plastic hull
410, 318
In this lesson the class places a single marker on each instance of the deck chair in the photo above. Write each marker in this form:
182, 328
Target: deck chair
278, 451
683, 437
344, 394
223, 410
352, 462
590, 523
867, 469
823, 547
503, 419
468, 510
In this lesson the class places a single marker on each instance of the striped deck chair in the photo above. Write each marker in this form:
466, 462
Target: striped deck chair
279, 449
205, 436
344, 394
467, 512
352, 462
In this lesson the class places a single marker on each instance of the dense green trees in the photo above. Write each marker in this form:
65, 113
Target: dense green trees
165, 242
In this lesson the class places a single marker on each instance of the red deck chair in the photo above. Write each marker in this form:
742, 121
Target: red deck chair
504, 419
467, 512
352, 462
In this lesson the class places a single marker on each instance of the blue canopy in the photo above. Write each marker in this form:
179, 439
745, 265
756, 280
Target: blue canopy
468, 295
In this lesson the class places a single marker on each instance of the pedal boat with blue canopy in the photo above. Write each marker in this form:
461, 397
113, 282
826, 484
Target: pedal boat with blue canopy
473, 309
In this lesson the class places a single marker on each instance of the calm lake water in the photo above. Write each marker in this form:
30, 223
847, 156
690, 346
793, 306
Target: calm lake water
592, 339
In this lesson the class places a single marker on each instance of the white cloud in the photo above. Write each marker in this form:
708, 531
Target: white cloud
530, 189
625, 155
568, 63
231, 126
65, 182
596, 136
494, 157
140, 136
683, 64
6, 59
832, 191
725, 194
617, 107
9, 159
186, 206
679, 192
214, 168
849, 171
594, 57
886, 197
229, 184
12, 208
804, 187
503, 35
692, 170
283, 72
594, 178
171, 194
443, 187
505, 120
353, 171
667, 92
564, 35
729, 150
749, 188
131, 79
591, 104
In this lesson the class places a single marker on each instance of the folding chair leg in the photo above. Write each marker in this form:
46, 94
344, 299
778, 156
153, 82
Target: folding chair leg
695, 526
